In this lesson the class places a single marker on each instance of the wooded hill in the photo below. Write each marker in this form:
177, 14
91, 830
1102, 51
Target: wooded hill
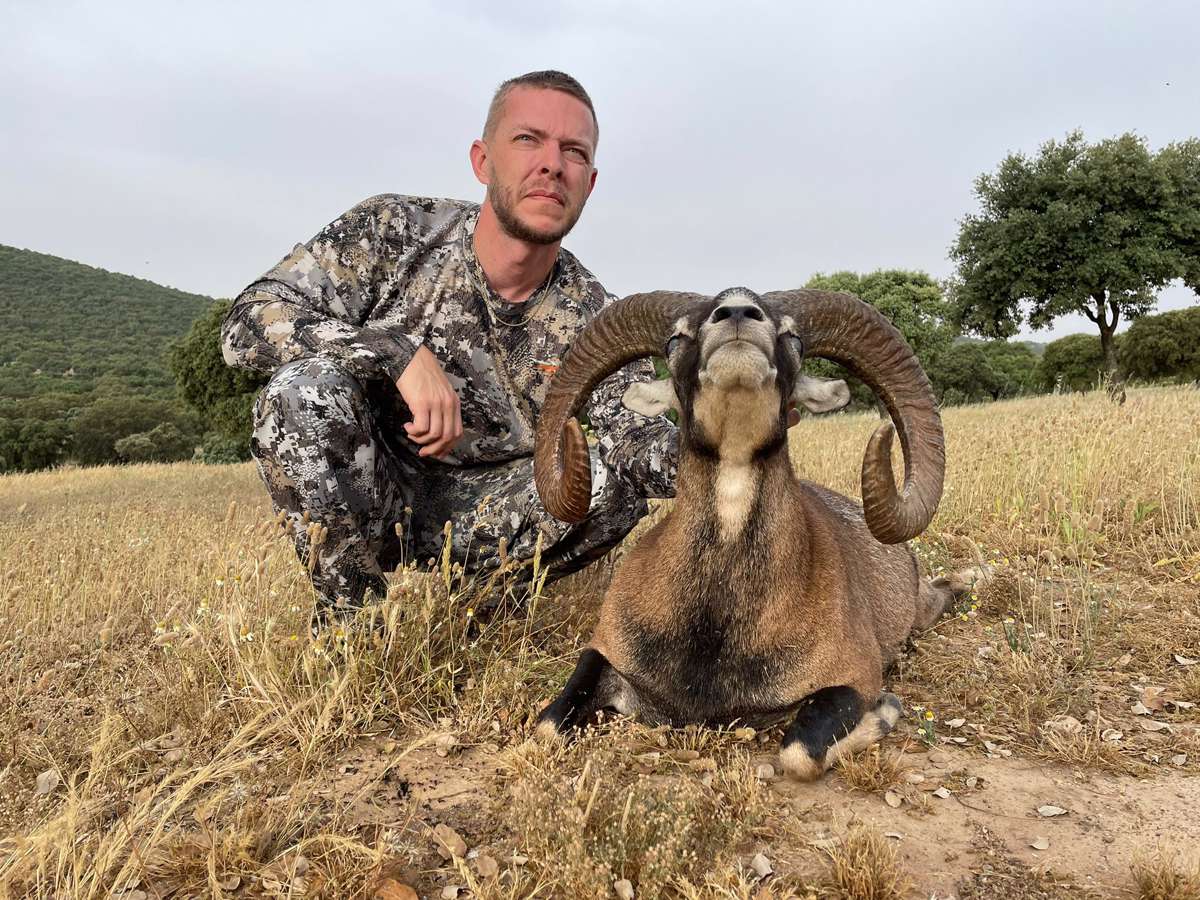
84, 365
68, 328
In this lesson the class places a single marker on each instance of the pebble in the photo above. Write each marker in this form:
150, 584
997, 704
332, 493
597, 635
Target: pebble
487, 867
761, 865
449, 842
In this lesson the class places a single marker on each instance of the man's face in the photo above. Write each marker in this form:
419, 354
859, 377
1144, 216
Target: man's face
537, 164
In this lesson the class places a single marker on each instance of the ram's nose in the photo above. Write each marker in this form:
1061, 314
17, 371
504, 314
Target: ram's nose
736, 314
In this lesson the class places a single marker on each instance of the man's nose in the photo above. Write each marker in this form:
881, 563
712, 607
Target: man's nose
552, 159
736, 314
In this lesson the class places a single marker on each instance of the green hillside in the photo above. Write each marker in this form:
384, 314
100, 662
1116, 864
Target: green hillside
84, 372
65, 326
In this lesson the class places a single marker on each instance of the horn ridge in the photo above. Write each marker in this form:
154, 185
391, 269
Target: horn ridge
628, 329
851, 332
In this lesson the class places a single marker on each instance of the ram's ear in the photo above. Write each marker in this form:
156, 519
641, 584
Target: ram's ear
821, 395
651, 398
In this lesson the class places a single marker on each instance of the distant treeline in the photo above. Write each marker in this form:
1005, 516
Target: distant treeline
100, 368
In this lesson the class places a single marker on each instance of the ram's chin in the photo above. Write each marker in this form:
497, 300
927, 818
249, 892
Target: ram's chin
737, 364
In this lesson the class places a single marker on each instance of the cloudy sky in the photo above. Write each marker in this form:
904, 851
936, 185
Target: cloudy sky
195, 144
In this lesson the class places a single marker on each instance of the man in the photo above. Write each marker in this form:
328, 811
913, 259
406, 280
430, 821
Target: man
411, 343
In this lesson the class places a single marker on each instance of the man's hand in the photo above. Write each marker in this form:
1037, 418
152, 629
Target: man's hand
437, 418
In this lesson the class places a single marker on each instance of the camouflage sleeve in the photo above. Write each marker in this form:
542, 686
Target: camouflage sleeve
640, 450
316, 300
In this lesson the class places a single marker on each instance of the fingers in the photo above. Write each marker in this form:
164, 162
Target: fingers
437, 427
437, 416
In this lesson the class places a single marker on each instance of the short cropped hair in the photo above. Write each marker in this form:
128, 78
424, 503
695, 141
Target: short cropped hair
547, 79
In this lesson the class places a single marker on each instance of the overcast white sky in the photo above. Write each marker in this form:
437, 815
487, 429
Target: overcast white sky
195, 144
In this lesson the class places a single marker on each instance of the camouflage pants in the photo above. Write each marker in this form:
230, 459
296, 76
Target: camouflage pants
325, 449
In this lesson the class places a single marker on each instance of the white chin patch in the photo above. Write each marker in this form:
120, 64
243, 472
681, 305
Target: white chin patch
737, 364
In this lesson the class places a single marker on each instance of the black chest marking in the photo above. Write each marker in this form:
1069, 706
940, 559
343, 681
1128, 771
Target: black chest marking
701, 670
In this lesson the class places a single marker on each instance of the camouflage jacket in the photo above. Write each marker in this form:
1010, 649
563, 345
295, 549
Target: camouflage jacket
396, 272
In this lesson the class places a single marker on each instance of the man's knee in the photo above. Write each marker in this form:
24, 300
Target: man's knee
307, 385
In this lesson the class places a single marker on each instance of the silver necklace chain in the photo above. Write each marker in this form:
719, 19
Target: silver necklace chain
493, 307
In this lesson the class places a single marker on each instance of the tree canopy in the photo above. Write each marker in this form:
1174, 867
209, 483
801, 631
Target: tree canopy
223, 396
1163, 346
1096, 229
911, 300
978, 371
1072, 363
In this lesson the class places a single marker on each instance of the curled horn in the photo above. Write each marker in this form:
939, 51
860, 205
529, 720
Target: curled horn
842, 328
633, 328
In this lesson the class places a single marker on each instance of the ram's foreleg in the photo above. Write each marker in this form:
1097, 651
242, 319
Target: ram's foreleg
833, 722
594, 686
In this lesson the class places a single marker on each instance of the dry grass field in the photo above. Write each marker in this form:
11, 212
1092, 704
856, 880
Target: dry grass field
168, 728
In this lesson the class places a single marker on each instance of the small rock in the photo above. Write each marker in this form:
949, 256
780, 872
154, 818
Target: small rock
233, 882
685, 755
444, 744
47, 782
624, 889
894, 835
518, 860
1063, 725
1048, 811
449, 843
764, 771
744, 734
761, 865
955, 723
487, 867
1040, 843
1151, 725
914, 777
971, 782
450, 892
390, 889
174, 756
942, 793
1179, 759
892, 799
704, 764
1112, 735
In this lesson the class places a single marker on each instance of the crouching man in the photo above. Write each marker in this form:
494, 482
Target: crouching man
410, 345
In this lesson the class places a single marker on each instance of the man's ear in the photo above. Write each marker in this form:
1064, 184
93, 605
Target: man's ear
651, 398
821, 395
479, 156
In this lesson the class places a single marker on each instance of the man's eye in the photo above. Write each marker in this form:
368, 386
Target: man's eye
524, 137
579, 154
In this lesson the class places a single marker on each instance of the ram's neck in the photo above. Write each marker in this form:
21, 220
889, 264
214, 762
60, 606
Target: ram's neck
723, 499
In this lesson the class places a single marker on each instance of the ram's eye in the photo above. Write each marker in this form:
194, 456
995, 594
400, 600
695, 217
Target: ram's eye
672, 344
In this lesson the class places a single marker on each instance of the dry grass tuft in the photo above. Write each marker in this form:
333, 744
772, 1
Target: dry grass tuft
590, 814
1167, 875
873, 770
864, 866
